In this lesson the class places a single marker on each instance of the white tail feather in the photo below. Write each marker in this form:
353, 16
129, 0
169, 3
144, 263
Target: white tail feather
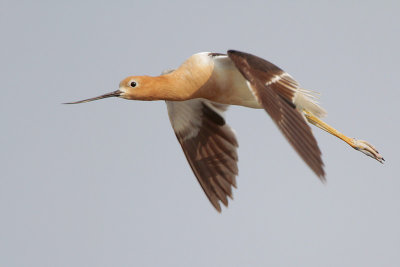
307, 100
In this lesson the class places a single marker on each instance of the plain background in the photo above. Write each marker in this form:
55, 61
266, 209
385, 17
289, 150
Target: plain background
106, 183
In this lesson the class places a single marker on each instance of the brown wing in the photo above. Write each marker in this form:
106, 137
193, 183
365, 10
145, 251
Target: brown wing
275, 91
209, 146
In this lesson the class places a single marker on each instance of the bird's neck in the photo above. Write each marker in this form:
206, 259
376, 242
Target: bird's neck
185, 83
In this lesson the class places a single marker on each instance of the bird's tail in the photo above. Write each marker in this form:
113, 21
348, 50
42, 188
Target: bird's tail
307, 100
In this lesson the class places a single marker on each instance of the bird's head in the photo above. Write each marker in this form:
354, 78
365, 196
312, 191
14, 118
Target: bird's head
139, 87
132, 88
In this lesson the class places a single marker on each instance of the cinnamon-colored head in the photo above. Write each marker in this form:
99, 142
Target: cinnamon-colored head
138, 88
141, 87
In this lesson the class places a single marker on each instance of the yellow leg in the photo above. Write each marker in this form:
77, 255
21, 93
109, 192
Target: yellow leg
359, 145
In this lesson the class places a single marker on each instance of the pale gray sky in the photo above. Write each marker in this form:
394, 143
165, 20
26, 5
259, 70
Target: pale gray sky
106, 183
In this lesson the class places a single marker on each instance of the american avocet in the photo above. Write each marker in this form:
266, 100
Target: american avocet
198, 93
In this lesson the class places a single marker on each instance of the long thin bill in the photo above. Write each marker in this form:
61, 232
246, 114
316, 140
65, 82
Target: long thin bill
112, 94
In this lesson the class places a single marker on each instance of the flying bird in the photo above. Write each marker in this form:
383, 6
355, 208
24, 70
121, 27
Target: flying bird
198, 93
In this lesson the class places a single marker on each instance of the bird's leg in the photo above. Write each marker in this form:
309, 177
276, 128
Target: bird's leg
359, 145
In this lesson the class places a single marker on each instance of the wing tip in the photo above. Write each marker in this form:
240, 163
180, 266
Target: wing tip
322, 178
217, 206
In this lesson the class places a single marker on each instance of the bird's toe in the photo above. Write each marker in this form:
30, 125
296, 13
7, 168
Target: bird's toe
368, 149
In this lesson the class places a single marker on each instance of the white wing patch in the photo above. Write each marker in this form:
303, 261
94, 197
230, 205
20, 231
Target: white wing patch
274, 79
185, 117
303, 99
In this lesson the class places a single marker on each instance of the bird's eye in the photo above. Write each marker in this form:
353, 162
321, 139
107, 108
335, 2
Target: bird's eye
133, 84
